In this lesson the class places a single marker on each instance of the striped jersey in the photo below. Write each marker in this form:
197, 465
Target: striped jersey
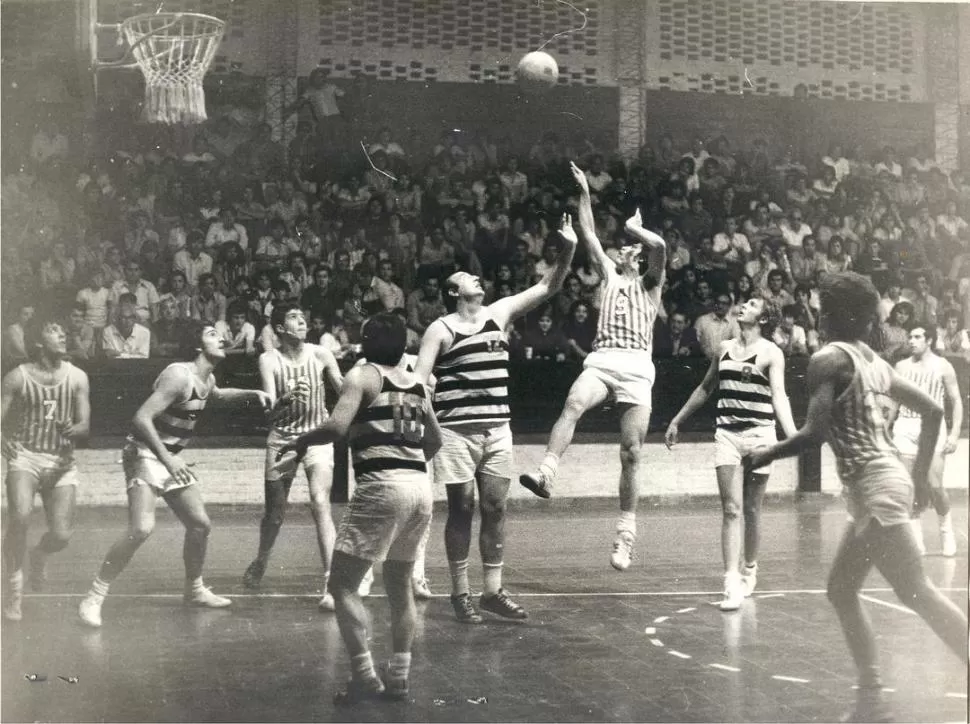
176, 423
40, 408
928, 376
858, 433
301, 415
387, 437
473, 378
626, 315
744, 394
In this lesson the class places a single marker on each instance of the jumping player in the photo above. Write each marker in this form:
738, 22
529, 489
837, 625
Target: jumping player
467, 351
293, 376
161, 428
848, 385
620, 365
46, 410
749, 374
393, 433
935, 376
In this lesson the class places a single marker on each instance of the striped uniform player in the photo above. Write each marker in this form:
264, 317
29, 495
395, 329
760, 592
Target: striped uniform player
467, 351
621, 363
935, 376
849, 385
46, 408
748, 373
385, 412
294, 377
161, 428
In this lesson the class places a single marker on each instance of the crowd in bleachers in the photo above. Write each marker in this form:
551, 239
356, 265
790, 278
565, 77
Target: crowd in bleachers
136, 243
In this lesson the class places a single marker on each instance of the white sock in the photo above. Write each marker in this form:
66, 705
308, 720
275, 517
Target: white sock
549, 466
194, 584
15, 581
493, 578
362, 666
946, 523
99, 588
627, 523
400, 665
459, 577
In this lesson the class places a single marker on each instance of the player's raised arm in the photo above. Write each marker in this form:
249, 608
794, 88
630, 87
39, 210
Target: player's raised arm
696, 400
510, 308
656, 251
598, 259
779, 397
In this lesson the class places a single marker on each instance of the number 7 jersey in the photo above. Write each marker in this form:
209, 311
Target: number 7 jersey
39, 410
387, 437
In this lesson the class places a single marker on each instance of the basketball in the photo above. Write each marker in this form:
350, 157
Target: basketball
537, 71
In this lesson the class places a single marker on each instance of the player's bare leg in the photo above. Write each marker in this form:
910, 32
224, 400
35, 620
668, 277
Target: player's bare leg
458, 536
188, 507
59, 506
634, 424
20, 502
493, 496
320, 480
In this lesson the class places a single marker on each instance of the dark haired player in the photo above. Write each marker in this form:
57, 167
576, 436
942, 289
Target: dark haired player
161, 428
46, 410
849, 385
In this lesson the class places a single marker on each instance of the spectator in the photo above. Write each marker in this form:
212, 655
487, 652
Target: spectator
238, 334
838, 162
806, 262
731, 245
126, 338
895, 332
837, 260
677, 338
952, 228
230, 267
113, 269
390, 294
319, 298
208, 303
93, 299
925, 305
515, 183
275, 247
952, 340
168, 333
81, 341
193, 261
716, 327
384, 144
310, 244
775, 293
144, 292
697, 222
425, 305
789, 335
579, 329
794, 229
226, 230
543, 341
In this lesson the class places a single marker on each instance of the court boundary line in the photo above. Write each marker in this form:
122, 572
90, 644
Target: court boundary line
889, 604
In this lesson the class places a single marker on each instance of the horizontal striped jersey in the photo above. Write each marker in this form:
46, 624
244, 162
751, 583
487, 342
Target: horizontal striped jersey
301, 415
176, 423
41, 409
473, 378
928, 376
387, 437
744, 394
627, 314
858, 433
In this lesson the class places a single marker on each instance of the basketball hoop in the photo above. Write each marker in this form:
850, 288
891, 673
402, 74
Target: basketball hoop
174, 51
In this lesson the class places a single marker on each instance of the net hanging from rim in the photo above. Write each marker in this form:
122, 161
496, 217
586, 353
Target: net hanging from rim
174, 51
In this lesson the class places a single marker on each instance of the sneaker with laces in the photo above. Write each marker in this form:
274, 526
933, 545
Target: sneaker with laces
538, 482
869, 707
421, 588
205, 598
622, 553
38, 571
254, 574
749, 579
948, 541
733, 592
90, 610
501, 605
917, 529
360, 690
464, 609
327, 603
363, 590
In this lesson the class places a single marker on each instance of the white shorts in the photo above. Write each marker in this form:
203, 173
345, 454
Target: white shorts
906, 435
387, 521
882, 490
48, 470
730, 446
627, 373
317, 457
464, 454
142, 467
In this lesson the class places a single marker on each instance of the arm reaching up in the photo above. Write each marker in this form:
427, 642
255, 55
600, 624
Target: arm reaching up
598, 259
656, 250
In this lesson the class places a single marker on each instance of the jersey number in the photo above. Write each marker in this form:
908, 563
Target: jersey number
408, 422
50, 407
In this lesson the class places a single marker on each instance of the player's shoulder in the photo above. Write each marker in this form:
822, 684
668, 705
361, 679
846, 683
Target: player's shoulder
16, 376
76, 375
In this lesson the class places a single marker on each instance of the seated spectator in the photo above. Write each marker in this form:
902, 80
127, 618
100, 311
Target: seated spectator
807, 311
319, 298
789, 335
952, 229
731, 245
238, 333
837, 161
837, 259
126, 338
761, 229
825, 186
911, 193
676, 338
391, 295
597, 176
139, 234
875, 263
925, 305
208, 303
678, 255
15, 336
686, 174
759, 268
295, 274
250, 211
113, 268
193, 261
225, 229
321, 333
230, 266
353, 312
543, 340
93, 299
705, 259
273, 249
895, 332
889, 163
579, 329
515, 183
794, 230
952, 340
81, 340
775, 293
57, 272
716, 326
309, 243
571, 293
799, 195
435, 250
168, 332
144, 292
697, 222
806, 262
387, 146
673, 199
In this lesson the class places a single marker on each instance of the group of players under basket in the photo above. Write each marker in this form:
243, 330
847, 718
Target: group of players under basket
450, 406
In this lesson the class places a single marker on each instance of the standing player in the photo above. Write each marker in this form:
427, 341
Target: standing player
620, 365
468, 353
46, 409
848, 385
393, 433
293, 377
935, 376
161, 428
749, 374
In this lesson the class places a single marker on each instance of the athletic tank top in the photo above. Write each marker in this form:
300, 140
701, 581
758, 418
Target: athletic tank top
858, 432
387, 437
928, 376
473, 378
39, 410
176, 423
744, 395
626, 315
302, 415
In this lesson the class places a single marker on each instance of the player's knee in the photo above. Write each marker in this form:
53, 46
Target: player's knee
200, 526
57, 539
319, 505
461, 508
574, 408
630, 454
141, 530
19, 519
730, 509
752, 511
493, 507
841, 594
275, 514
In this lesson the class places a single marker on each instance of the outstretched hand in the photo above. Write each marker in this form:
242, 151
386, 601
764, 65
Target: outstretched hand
566, 230
634, 223
580, 176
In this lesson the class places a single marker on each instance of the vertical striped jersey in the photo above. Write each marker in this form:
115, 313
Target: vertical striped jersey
473, 378
176, 423
858, 433
744, 394
626, 315
387, 437
301, 415
928, 376
40, 408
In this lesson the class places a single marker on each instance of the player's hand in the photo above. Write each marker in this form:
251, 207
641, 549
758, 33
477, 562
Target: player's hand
265, 401
950, 447
11, 448
298, 446
580, 177
634, 223
179, 470
753, 460
66, 428
670, 437
566, 230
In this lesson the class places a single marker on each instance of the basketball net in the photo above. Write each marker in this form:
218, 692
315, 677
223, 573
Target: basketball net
174, 51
